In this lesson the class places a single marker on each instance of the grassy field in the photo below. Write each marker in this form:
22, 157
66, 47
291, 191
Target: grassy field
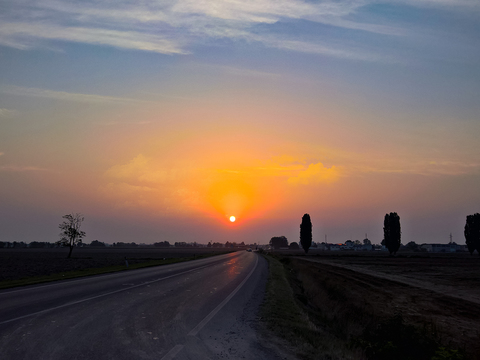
20, 267
361, 306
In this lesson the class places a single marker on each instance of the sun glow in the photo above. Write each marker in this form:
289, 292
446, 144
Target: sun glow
232, 218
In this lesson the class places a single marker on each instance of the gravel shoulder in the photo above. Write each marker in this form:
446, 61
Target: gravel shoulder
238, 332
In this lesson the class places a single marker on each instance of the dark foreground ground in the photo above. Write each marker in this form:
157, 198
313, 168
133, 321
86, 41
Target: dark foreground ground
22, 263
361, 297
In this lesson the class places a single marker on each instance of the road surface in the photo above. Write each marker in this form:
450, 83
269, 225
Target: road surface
202, 309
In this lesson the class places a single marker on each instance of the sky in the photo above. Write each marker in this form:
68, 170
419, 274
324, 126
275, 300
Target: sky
158, 120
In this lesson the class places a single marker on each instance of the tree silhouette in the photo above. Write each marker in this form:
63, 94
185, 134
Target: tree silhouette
71, 233
96, 243
278, 242
472, 233
412, 245
167, 244
392, 232
306, 232
293, 246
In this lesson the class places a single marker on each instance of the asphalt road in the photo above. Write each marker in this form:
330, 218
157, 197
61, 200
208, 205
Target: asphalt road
202, 309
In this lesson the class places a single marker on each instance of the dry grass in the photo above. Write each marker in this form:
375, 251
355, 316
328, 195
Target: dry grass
287, 318
330, 313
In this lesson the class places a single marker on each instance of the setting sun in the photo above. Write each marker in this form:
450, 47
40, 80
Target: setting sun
232, 218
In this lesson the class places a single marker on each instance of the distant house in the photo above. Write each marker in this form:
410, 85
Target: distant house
335, 247
322, 246
439, 248
367, 247
348, 245
462, 248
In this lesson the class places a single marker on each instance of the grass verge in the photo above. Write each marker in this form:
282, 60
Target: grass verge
285, 317
96, 271
322, 318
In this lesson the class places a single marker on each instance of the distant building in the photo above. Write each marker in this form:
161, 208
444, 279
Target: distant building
348, 245
439, 248
335, 247
367, 247
322, 246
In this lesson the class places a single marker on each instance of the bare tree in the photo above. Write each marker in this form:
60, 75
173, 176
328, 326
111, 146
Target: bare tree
71, 234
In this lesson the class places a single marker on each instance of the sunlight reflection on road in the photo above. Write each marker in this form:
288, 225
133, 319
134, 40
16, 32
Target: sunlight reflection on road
232, 270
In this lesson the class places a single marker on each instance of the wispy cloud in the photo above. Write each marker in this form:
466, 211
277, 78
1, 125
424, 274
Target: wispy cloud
16, 168
21, 35
114, 123
453, 4
321, 49
170, 27
315, 173
421, 167
7, 112
67, 96
452, 167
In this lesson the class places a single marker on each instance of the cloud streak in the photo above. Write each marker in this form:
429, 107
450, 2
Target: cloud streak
170, 27
321, 49
315, 173
22, 35
16, 168
67, 96
7, 112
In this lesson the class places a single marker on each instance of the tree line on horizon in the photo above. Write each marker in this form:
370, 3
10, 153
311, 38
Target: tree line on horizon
72, 236
120, 244
278, 242
391, 234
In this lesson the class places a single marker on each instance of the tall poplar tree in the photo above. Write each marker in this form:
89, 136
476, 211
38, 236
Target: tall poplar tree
306, 232
392, 232
472, 233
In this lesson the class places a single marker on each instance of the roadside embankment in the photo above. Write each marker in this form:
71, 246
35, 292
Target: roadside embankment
328, 312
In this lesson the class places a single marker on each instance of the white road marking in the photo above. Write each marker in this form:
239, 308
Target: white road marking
204, 322
68, 281
99, 296
177, 348
173, 352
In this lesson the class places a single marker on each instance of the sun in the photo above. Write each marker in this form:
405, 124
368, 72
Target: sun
232, 218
